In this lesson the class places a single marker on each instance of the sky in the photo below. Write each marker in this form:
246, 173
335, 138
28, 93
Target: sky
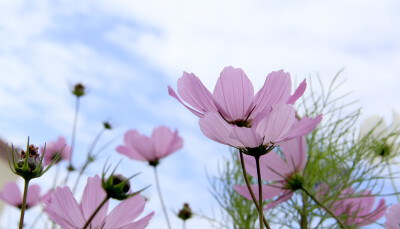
128, 52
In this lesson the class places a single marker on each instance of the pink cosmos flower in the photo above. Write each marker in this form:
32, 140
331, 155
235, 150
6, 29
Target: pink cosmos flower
357, 211
234, 116
162, 143
53, 148
285, 174
66, 212
233, 95
393, 217
12, 195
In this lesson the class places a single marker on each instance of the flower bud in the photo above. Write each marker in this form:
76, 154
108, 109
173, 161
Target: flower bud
185, 213
117, 187
79, 90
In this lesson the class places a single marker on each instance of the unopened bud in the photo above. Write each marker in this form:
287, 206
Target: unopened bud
185, 213
117, 187
79, 90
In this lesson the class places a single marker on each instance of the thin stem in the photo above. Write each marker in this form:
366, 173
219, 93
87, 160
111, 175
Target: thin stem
260, 208
23, 207
303, 220
323, 206
248, 186
74, 129
184, 224
96, 211
392, 180
161, 199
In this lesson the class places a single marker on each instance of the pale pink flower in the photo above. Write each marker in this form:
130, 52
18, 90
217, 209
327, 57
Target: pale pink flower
162, 143
393, 217
234, 116
66, 212
283, 173
12, 195
53, 148
233, 95
357, 211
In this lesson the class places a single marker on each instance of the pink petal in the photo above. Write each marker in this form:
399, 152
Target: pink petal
137, 146
11, 194
374, 215
33, 197
142, 223
216, 129
298, 93
295, 153
125, 212
248, 137
233, 94
269, 191
276, 90
303, 127
64, 209
165, 142
53, 148
392, 217
195, 94
286, 195
92, 197
276, 125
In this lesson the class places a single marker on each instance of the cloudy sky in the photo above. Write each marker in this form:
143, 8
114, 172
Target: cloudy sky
127, 52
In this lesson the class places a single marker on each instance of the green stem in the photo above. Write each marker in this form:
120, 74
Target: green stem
325, 208
161, 199
303, 220
95, 212
260, 207
74, 130
392, 180
23, 207
250, 190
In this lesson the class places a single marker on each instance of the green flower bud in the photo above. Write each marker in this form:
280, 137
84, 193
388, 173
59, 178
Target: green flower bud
185, 213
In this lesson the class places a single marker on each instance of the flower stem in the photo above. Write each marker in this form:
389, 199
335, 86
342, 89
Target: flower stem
95, 212
260, 207
23, 207
74, 129
323, 206
161, 199
250, 190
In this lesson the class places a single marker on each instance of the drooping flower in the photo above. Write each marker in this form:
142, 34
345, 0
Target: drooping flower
162, 143
53, 148
357, 211
393, 217
383, 138
12, 195
234, 116
66, 212
285, 175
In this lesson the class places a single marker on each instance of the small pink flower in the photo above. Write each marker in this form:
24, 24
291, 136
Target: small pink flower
162, 143
12, 195
283, 173
66, 212
355, 209
53, 148
393, 217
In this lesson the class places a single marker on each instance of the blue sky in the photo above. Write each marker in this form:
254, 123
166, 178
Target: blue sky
127, 52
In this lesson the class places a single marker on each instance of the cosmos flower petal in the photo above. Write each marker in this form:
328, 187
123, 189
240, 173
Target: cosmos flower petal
53, 148
286, 195
11, 194
298, 93
246, 136
304, 126
276, 90
276, 125
217, 129
295, 153
233, 94
92, 197
140, 224
392, 217
172, 93
125, 212
269, 191
165, 142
